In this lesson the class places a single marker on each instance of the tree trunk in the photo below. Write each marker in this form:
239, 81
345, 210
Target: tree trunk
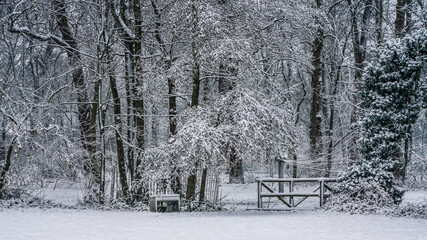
3, 140
402, 27
121, 162
176, 172
331, 124
138, 99
85, 114
192, 178
295, 165
101, 124
399, 23
172, 107
379, 21
315, 118
297, 118
203, 185
129, 112
236, 168
6, 167
408, 22
359, 49
205, 169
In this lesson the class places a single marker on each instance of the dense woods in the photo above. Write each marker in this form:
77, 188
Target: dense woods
115, 94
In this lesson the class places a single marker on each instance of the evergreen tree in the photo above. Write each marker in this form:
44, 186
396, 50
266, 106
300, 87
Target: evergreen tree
391, 104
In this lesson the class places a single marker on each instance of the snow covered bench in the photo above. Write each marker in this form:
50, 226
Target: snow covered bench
164, 203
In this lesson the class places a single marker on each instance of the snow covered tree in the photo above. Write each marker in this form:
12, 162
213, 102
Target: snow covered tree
240, 124
391, 101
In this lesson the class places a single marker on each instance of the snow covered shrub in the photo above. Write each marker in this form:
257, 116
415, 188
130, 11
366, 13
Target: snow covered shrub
366, 197
391, 105
373, 199
416, 176
413, 210
206, 206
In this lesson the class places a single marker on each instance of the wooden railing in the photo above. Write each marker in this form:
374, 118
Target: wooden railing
322, 191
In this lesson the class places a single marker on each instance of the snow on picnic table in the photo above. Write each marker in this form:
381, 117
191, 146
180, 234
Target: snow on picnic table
58, 224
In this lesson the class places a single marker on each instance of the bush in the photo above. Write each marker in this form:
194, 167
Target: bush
368, 197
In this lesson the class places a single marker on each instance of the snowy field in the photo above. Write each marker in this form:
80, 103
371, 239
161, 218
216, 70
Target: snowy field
63, 224
36, 224
233, 196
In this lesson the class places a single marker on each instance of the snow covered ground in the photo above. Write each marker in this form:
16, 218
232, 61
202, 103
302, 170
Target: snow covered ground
63, 224
57, 224
233, 196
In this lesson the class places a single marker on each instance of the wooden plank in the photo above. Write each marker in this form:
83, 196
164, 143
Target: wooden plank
298, 179
291, 194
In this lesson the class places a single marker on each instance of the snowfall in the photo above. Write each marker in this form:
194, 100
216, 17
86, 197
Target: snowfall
238, 222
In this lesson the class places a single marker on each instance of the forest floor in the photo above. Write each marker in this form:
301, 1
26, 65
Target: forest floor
56, 223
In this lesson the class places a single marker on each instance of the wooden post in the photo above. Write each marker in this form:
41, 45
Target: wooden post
281, 173
322, 191
216, 188
291, 189
259, 194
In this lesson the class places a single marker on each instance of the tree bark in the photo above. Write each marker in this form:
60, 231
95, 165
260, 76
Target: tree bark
236, 174
379, 21
315, 118
399, 23
121, 161
85, 113
203, 184
403, 26
192, 178
129, 112
359, 53
205, 168
138, 99
135, 46
6, 167
3, 141
297, 118
331, 123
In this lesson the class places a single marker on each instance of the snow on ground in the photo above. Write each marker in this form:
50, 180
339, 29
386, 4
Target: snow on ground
63, 224
36, 224
233, 196
62, 191
414, 197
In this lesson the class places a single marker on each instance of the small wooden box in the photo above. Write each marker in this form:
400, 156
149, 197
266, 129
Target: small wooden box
164, 203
